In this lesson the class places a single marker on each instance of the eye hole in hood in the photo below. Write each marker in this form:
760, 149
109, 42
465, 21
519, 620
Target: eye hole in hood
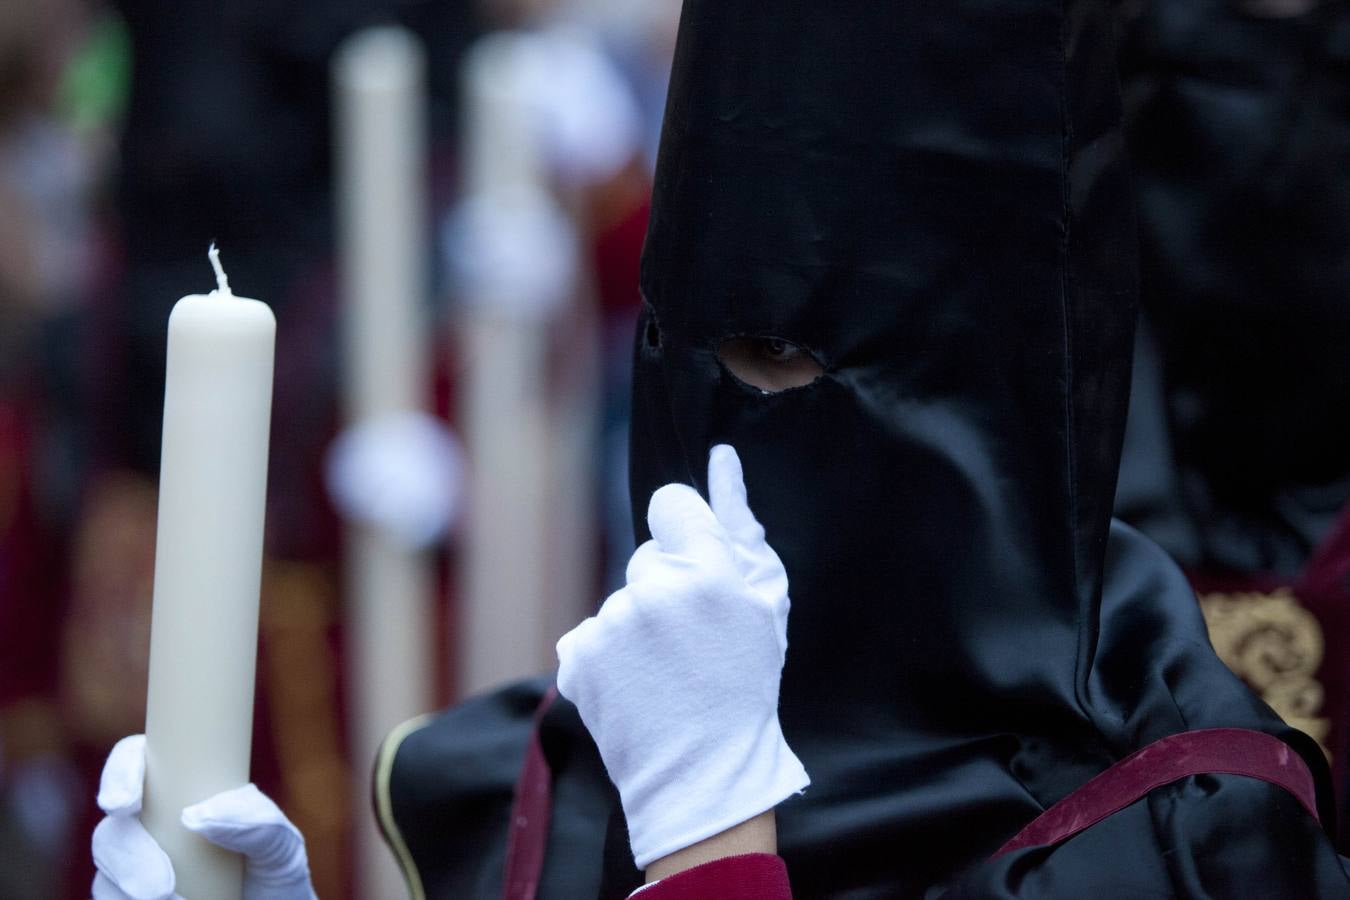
768, 363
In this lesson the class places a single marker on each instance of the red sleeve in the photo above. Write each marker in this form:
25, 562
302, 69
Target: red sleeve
754, 876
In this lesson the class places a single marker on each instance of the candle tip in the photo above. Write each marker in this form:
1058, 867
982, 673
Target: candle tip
222, 283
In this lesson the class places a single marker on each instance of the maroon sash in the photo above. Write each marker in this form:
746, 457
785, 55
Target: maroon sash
1212, 751
531, 811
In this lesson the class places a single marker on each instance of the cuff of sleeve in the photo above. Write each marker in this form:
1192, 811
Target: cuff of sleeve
753, 876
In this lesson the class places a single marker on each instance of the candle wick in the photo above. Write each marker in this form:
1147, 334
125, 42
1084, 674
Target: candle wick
222, 283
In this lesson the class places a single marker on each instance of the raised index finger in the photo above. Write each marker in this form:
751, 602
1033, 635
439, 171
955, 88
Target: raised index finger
726, 492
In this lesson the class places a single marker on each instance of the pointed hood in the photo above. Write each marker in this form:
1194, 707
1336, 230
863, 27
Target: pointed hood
929, 199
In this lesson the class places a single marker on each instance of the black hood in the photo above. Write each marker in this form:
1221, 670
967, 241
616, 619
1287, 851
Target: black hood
930, 198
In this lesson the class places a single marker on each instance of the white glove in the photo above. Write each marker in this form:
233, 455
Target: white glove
677, 676
131, 866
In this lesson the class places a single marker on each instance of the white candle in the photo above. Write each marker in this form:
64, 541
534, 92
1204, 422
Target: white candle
504, 330
379, 97
525, 567
208, 569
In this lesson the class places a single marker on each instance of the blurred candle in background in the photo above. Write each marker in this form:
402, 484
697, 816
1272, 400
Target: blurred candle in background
379, 98
208, 570
508, 223
515, 254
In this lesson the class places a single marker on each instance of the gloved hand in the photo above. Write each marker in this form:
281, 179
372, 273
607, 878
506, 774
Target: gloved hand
677, 676
131, 866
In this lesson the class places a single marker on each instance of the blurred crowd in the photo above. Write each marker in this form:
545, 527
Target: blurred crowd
135, 132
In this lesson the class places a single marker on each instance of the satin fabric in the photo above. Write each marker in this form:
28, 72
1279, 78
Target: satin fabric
451, 786
1238, 128
930, 198
1210, 836
1208, 751
1237, 458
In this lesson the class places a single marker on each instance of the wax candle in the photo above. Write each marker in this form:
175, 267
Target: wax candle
529, 419
208, 569
379, 96
504, 328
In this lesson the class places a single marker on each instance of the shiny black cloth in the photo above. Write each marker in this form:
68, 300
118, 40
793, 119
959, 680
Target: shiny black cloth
1238, 128
930, 198
1237, 454
1210, 836
451, 788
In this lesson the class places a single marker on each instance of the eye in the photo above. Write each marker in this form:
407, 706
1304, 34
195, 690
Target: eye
769, 363
777, 349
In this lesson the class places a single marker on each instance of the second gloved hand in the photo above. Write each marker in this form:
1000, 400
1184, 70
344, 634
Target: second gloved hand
677, 676
132, 866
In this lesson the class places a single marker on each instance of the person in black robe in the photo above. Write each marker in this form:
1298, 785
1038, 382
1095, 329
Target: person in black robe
929, 202
1237, 455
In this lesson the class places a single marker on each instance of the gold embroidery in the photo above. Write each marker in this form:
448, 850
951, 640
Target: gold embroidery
1275, 646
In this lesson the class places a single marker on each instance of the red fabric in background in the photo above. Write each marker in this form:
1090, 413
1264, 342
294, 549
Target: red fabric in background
30, 595
33, 592
1323, 589
617, 255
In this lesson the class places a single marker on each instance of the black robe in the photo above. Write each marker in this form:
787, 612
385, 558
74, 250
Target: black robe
930, 199
447, 790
